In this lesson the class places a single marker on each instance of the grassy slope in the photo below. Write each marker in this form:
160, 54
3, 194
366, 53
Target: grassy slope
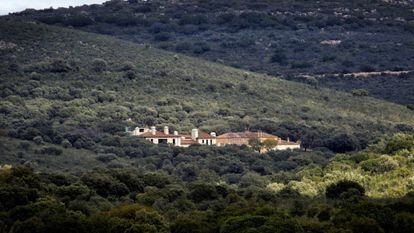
163, 75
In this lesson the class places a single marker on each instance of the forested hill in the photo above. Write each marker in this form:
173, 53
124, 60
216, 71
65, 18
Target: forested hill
274, 37
65, 96
63, 84
215, 190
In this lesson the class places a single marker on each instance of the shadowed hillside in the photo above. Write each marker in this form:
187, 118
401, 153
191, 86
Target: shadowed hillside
273, 37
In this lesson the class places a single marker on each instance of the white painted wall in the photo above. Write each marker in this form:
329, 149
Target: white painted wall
138, 131
207, 141
169, 141
287, 147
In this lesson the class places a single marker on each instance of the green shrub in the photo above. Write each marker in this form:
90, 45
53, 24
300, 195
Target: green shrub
130, 75
51, 150
163, 36
359, 92
193, 19
400, 142
66, 143
99, 65
38, 140
334, 191
201, 192
279, 57
379, 165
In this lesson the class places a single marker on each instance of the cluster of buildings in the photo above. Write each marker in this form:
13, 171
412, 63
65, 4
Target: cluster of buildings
199, 137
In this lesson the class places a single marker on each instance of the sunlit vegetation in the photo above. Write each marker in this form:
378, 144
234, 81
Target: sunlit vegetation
385, 169
130, 200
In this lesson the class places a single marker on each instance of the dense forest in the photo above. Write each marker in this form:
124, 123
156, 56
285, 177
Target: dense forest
364, 192
392, 88
280, 38
72, 79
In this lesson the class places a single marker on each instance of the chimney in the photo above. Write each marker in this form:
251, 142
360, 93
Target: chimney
213, 134
194, 134
153, 130
166, 131
175, 132
288, 139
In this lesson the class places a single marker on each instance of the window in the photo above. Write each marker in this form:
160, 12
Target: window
152, 140
141, 130
174, 141
162, 141
202, 141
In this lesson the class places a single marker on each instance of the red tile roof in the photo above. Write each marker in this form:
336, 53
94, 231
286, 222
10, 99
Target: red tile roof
203, 135
188, 142
158, 134
247, 134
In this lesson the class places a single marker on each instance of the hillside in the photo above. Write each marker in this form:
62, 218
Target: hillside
66, 164
385, 170
57, 82
280, 38
389, 88
177, 198
394, 87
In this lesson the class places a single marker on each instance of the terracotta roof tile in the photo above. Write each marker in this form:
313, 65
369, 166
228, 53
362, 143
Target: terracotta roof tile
188, 142
247, 134
203, 135
158, 134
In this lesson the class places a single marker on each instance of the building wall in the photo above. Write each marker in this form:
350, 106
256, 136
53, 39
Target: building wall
232, 141
237, 141
138, 131
264, 139
207, 141
286, 147
174, 141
